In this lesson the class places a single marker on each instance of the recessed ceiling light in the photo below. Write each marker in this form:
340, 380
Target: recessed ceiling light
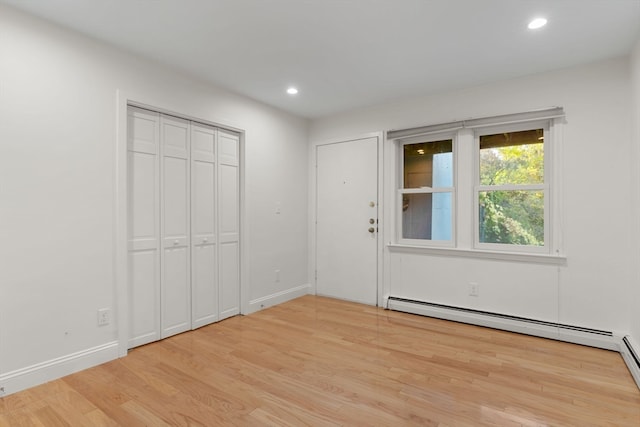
292, 91
537, 23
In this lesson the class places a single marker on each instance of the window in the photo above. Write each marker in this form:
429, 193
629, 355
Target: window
479, 185
427, 190
511, 191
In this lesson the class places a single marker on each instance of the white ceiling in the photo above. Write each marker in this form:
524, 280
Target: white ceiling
344, 54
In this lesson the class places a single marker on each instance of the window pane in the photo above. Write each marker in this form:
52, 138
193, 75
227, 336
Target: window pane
512, 217
426, 216
428, 164
512, 158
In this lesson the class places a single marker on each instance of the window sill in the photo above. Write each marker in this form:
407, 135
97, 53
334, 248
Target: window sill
480, 254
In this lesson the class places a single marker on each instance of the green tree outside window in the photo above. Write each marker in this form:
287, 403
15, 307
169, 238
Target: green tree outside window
512, 216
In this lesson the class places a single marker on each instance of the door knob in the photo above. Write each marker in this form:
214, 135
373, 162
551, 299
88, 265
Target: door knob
372, 230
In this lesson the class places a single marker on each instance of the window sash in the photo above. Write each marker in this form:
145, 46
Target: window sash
543, 187
425, 242
442, 134
423, 190
512, 187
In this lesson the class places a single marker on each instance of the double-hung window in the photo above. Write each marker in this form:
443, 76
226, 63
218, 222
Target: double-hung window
480, 185
427, 191
511, 190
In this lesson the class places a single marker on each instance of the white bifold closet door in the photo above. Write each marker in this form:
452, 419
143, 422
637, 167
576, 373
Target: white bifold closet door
184, 252
143, 201
204, 266
229, 190
175, 218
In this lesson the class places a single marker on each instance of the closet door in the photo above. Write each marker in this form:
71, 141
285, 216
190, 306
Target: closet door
143, 193
229, 223
204, 266
176, 264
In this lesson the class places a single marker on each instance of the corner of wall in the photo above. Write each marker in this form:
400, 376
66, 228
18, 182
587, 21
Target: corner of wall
634, 327
630, 351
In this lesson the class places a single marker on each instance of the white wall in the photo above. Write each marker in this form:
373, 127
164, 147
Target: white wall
57, 186
593, 289
635, 295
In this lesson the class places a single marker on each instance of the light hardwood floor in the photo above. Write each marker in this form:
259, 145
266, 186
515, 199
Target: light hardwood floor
323, 362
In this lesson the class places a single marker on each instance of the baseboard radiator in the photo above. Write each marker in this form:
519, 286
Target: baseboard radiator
570, 333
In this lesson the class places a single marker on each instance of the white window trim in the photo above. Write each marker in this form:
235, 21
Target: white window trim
464, 225
479, 254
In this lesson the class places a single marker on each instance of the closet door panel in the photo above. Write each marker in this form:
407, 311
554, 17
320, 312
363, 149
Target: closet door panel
143, 200
175, 216
203, 202
142, 131
204, 273
228, 203
175, 137
143, 227
204, 285
228, 148
144, 297
229, 279
176, 304
203, 143
229, 223
176, 198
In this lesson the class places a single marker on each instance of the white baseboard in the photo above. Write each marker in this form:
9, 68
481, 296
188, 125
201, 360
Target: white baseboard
50, 370
523, 327
278, 298
629, 358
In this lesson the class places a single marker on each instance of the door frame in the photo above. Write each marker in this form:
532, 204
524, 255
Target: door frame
313, 178
120, 206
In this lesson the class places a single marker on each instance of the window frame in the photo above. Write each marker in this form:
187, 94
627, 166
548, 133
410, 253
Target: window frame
545, 187
465, 214
401, 191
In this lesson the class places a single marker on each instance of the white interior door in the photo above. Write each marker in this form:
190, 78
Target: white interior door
347, 215
204, 260
143, 195
175, 219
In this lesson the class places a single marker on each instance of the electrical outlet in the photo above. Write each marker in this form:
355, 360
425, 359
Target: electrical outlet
474, 289
104, 316
277, 274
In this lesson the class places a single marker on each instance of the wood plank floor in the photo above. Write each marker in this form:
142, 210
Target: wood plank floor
322, 362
